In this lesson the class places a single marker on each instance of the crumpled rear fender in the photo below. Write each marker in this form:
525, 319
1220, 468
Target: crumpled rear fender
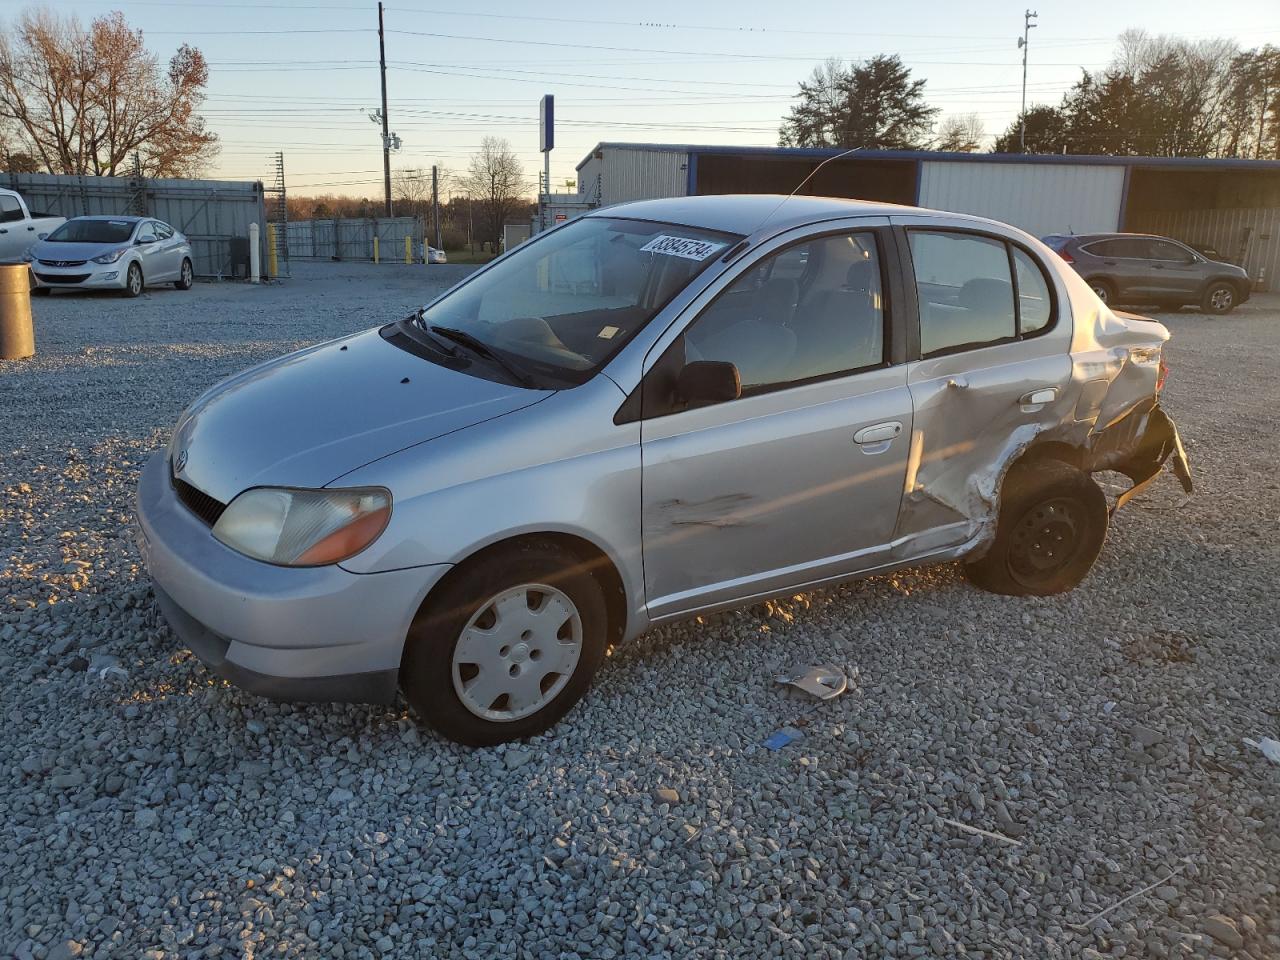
1138, 445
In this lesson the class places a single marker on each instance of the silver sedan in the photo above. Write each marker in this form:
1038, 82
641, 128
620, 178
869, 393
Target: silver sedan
655, 411
125, 254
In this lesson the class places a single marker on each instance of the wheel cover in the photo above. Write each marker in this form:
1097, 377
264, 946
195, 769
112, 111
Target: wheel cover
1046, 540
517, 652
186, 272
135, 279
1220, 299
1103, 293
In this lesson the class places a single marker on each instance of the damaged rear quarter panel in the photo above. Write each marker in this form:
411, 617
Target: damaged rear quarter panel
970, 425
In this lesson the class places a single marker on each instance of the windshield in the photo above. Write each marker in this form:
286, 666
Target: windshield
93, 231
564, 305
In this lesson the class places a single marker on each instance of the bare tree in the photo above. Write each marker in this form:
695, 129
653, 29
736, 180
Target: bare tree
83, 101
495, 180
961, 133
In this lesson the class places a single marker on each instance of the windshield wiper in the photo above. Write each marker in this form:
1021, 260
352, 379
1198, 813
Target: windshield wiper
479, 346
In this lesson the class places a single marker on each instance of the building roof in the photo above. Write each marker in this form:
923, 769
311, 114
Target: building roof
1183, 163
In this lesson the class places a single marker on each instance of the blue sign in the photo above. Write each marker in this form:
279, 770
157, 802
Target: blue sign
547, 123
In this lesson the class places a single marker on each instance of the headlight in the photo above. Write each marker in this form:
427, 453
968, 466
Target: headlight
303, 528
111, 257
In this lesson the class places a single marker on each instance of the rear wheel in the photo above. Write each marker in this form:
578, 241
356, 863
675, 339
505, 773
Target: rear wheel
1053, 521
133, 281
1219, 298
1104, 290
185, 276
507, 646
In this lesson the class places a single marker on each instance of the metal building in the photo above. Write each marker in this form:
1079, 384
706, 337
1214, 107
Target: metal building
211, 213
1231, 205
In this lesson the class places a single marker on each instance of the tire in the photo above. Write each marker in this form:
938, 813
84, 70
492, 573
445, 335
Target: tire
1219, 298
133, 281
186, 276
1105, 290
1048, 499
480, 703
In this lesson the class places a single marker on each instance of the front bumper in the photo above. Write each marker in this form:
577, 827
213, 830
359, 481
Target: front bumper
88, 276
315, 633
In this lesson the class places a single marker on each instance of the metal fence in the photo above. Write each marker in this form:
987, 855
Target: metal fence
352, 239
211, 213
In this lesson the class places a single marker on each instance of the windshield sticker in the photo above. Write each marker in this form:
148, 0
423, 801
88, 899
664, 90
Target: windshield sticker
607, 333
682, 247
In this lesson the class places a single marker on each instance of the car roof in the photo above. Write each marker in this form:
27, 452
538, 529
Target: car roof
744, 214
1090, 237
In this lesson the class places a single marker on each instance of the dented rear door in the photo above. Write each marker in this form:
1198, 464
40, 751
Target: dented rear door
981, 387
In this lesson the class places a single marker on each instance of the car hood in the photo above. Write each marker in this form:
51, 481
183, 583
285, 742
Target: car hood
45, 250
305, 419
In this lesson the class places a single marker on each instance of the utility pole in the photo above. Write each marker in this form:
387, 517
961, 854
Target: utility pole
1027, 27
435, 204
386, 133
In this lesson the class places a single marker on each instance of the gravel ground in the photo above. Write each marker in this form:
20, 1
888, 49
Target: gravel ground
148, 810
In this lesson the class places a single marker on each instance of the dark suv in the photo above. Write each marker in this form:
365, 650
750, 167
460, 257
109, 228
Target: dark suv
1135, 268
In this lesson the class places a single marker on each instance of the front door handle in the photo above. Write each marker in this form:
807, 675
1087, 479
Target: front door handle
1042, 395
878, 433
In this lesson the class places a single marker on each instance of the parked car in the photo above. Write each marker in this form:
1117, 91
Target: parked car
1135, 268
20, 228
111, 253
435, 255
743, 397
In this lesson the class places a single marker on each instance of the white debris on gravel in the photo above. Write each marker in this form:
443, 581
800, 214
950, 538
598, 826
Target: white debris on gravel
148, 810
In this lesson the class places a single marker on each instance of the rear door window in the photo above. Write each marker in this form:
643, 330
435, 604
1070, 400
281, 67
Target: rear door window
975, 291
965, 291
1169, 252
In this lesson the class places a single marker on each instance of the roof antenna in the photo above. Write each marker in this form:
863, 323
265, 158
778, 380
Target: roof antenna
799, 186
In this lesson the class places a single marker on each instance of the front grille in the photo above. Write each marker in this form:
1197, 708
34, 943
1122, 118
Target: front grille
61, 278
198, 502
63, 263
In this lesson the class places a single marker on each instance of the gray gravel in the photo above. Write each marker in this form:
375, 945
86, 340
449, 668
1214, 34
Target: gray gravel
147, 810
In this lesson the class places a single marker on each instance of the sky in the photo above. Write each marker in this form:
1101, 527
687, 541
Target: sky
300, 77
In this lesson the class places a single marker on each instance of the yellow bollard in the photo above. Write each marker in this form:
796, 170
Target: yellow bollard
272, 261
17, 337
375, 249
408, 250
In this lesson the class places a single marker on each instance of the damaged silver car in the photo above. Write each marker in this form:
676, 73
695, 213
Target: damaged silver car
657, 410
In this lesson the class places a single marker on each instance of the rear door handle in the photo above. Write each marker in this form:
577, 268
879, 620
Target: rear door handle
878, 433
1043, 395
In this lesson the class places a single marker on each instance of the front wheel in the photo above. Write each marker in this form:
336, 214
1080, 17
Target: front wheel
1219, 298
133, 281
185, 276
1053, 520
507, 646
1103, 290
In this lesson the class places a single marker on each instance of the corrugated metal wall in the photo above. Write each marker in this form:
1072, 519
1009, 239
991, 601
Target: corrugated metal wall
209, 212
1039, 198
353, 239
637, 175
1248, 236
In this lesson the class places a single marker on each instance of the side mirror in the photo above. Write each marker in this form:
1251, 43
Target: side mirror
705, 382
